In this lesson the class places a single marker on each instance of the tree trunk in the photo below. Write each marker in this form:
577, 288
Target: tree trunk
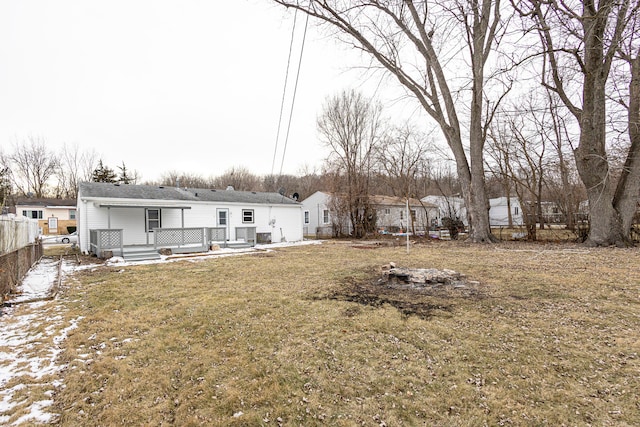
628, 191
591, 155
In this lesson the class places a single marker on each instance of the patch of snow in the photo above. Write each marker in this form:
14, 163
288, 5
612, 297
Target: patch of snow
38, 281
26, 351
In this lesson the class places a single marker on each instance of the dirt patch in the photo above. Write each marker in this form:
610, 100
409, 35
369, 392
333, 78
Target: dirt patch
421, 301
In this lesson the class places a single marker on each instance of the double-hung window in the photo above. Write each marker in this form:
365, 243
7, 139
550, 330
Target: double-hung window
325, 216
306, 217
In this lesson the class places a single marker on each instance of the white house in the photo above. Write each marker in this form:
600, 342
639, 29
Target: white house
321, 218
448, 207
392, 215
499, 212
119, 217
318, 216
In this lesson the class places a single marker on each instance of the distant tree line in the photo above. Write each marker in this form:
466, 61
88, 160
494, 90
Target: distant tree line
527, 156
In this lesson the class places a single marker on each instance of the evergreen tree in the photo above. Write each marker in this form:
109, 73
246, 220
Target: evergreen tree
5, 187
103, 174
124, 175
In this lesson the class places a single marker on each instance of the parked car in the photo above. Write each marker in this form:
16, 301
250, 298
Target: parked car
68, 238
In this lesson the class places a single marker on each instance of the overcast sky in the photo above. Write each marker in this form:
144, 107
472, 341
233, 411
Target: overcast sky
192, 85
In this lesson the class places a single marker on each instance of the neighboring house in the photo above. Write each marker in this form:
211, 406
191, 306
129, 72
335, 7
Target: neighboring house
448, 207
499, 212
54, 216
321, 218
392, 216
121, 216
318, 216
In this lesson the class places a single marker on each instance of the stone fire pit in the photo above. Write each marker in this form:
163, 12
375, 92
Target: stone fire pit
424, 277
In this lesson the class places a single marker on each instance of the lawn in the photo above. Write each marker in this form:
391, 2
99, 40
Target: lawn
305, 336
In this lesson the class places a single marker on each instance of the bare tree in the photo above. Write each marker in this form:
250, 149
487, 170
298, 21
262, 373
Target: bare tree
239, 178
33, 166
499, 153
581, 41
75, 166
525, 155
566, 191
401, 159
182, 179
351, 127
310, 180
416, 43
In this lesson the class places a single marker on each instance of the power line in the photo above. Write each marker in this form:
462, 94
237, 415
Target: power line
295, 89
284, 90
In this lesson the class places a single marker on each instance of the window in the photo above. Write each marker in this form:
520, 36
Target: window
306, 217
387, 211
32, 214
72, 214
516, 210
325, 216
152, 218
413, 214
401, 214
247, 216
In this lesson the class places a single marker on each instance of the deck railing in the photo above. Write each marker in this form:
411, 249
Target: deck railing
105, 239
217, 235
179, 237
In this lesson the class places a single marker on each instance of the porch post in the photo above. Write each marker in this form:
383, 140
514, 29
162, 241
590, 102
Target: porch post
108, 217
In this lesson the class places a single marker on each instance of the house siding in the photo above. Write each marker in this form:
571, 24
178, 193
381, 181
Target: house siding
283, 222
316, 204
499, 212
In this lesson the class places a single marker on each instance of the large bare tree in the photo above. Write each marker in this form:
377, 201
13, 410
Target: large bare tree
437, 50
351, 127
582, 41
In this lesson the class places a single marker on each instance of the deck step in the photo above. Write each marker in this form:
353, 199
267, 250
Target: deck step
238, 245
142, 254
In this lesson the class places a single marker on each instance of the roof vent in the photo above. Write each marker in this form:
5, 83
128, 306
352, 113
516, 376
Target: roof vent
230, 188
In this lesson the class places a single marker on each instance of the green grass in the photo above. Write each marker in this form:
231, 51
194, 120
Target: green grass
551, 336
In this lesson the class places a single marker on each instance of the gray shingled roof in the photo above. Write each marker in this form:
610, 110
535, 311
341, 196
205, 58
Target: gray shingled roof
151, 192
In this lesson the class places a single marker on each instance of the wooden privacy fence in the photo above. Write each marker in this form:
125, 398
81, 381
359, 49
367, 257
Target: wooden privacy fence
15, 265
17, 232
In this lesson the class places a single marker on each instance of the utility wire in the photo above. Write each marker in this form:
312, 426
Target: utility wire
284, 91
295, 89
